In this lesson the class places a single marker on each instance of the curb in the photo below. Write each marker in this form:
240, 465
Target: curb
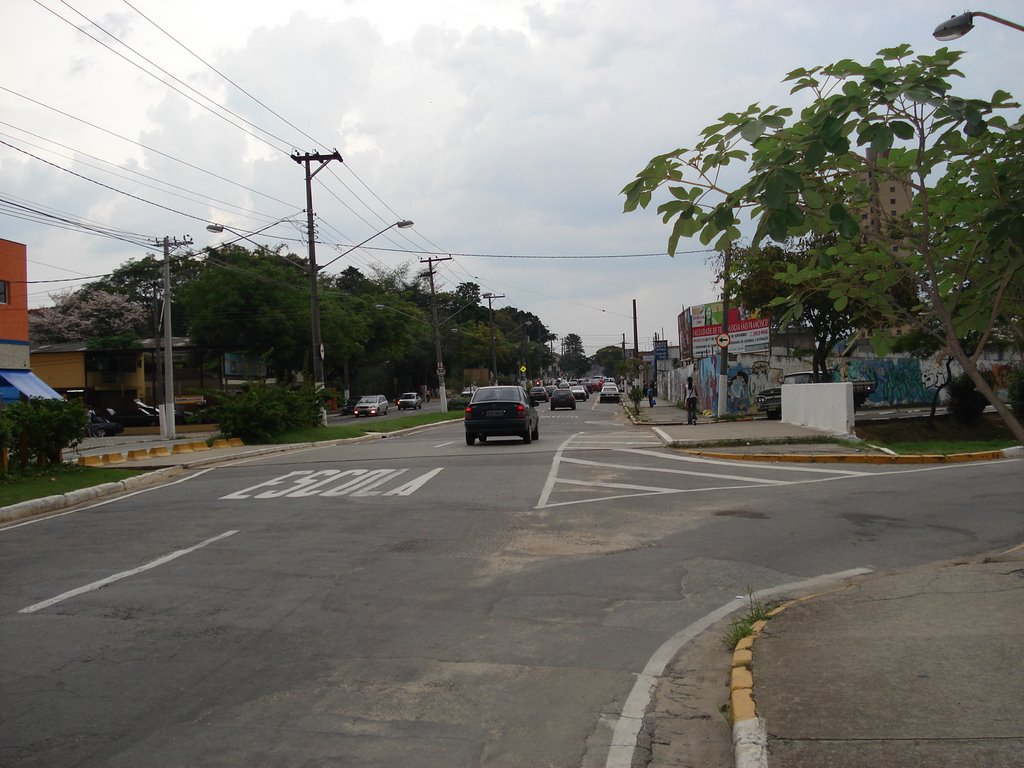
855, 458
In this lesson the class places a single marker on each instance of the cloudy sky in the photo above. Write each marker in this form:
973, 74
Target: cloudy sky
504, 128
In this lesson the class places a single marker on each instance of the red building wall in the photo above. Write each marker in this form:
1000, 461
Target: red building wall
14, 272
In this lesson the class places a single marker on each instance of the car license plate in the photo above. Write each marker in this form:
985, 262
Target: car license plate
494, 414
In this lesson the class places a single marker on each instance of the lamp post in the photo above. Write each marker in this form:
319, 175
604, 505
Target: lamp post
958, 26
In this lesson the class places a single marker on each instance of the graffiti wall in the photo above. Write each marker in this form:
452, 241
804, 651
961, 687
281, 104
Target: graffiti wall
899, 381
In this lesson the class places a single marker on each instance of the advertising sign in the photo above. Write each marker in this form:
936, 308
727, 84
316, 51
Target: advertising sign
747, 331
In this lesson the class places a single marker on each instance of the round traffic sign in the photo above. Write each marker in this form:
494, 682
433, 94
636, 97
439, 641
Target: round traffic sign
722, 340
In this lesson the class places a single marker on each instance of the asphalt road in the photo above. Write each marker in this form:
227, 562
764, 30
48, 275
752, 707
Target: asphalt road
414, 601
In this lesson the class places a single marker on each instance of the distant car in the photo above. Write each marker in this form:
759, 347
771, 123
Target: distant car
610, 393
539, 395
549, 388
137, 415
371, 405
563, 398
501, 411
100, 426
349, 406
411, 400
580, 392
468, 392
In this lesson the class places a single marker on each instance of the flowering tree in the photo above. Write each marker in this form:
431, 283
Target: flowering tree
77, 316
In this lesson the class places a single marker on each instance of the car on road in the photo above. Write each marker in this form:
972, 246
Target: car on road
610, 393
539, 395
371, 405
579, 392
349, 406
410, 400
101, 426
563, 398
502, 411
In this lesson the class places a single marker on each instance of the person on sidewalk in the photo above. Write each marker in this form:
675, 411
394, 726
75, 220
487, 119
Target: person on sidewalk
650, 396
690, 396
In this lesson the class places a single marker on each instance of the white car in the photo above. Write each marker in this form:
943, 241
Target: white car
610, 393
579, 392
371, 405
411, 400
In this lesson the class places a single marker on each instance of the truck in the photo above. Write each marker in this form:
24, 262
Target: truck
769, 400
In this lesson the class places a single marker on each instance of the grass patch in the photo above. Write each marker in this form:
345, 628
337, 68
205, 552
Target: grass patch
56, 479
742, 626
941, 435
363, 426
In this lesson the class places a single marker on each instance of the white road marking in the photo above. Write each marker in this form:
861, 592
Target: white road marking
620, 753
123, 575
748, 465
329, 483
715, 475
445, 445
122, 497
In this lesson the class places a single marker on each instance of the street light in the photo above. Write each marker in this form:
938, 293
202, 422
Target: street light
958, 26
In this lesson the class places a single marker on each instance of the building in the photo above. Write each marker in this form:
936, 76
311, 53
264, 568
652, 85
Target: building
16, 377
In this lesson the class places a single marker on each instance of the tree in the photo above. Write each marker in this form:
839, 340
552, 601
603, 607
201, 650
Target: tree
607, 358
574, 360
78, 316
894, 121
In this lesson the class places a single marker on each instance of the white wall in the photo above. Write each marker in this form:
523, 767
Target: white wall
821, 406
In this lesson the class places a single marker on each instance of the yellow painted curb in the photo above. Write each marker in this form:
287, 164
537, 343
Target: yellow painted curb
113, 458
741, 677
235, 442
139, 453
90, 461
160, 450
851, 458
221, 443
200, 445
182, 448
741, 704
745, 643
742, 658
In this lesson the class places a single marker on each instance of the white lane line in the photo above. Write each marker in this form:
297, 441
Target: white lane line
666, 470
749, 465
445, 445
123, 574
708, 489
620, 753
121, 497
553, 472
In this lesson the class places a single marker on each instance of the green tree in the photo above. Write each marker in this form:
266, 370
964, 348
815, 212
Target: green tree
893, 121
606, 358
575, 362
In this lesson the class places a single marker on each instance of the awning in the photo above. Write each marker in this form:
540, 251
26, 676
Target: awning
28, 384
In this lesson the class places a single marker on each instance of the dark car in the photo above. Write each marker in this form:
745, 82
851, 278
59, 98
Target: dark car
411, 400
563, 398
100, 426
349, 407
499, 412
137, 415
371, 405
538, 395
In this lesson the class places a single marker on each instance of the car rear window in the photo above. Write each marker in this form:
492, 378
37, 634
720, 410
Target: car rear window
489, 394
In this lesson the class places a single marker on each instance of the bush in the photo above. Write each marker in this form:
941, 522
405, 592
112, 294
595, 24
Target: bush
38, 429
1015, 388
260, 412
966, 403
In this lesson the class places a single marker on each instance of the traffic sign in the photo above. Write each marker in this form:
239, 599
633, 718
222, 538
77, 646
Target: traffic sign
522, 369
722, 340
440, 370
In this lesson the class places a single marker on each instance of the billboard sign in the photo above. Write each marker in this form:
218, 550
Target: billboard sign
747, 331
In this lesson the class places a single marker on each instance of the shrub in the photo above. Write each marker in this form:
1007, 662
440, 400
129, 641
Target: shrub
38, 429
1015, 389
635, 395
260, 412
966, 403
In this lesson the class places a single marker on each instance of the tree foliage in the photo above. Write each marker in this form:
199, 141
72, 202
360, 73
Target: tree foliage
78, 316
892, 121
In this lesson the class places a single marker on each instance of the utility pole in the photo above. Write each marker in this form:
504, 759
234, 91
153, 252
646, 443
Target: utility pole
167, 407
494, 353
636, 339
441, 391
314, 297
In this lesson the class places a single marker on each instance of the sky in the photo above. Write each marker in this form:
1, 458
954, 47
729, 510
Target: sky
505, 129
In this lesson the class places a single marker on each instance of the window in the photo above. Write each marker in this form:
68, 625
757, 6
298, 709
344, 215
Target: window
3, 291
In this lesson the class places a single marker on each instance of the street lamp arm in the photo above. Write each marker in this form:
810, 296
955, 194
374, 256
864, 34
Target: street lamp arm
217, 228
404, 224
958, 26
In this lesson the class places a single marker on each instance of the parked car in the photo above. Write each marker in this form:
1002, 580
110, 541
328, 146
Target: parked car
102, 426
137, 415
770, 400
580, 392
538, 395
411, 400
501, 411
371, 405
610, 393
563, 398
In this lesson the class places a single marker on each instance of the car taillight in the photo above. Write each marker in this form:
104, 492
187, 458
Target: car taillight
469, 412
520, 411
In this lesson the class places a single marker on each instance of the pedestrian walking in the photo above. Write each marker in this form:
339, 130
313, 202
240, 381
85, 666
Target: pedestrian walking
691, 401
650, 397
